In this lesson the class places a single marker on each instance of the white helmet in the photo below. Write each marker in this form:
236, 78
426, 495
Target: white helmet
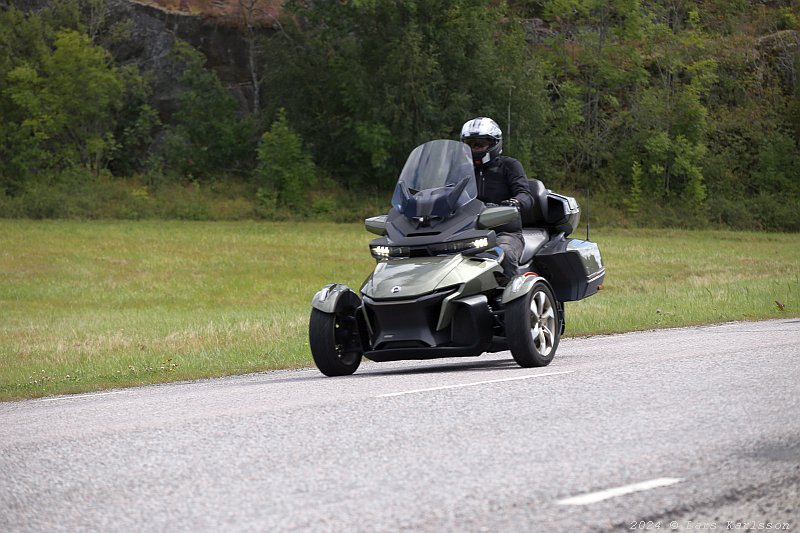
484, 137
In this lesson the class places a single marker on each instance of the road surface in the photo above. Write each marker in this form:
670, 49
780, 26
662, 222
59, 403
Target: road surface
672, 430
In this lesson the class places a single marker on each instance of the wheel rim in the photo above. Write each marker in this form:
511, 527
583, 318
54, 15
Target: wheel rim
343, 334
543, 323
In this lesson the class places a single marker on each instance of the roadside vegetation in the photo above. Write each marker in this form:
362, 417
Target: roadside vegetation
93, 305
669, 113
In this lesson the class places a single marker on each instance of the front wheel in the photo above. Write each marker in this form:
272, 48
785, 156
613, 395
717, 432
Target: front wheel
533, 327
334, 342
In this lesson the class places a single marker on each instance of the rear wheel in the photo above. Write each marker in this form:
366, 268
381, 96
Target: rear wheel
533, 327
334, 341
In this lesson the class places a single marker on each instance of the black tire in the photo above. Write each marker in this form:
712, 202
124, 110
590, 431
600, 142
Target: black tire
533, 327
334, 342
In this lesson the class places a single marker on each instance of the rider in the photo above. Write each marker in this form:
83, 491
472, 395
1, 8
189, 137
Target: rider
501, 181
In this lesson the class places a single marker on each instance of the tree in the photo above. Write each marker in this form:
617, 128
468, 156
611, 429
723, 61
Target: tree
633, 200
205, 135
668, 127
67, 104
252, 15
367, 81
592, 71
285, 170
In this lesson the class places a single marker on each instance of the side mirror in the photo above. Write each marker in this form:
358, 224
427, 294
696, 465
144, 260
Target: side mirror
376, 225
491, 217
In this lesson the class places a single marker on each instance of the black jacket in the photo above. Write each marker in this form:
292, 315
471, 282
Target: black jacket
503, 179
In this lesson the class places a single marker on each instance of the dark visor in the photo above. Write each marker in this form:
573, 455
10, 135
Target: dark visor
478, 143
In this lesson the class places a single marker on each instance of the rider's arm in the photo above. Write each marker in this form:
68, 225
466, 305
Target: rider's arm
518, 182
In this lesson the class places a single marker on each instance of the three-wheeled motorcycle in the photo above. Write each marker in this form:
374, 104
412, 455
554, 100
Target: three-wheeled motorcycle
438, 288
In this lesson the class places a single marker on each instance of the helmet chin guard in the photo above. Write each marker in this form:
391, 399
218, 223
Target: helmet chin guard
479, 159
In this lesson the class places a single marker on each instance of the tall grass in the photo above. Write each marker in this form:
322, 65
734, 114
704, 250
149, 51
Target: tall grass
663, 278
89, 305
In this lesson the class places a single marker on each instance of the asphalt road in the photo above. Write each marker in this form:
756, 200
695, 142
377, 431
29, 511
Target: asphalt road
684, 429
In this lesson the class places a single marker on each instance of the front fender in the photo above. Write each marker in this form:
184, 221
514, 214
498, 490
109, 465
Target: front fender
335, 297
521, 285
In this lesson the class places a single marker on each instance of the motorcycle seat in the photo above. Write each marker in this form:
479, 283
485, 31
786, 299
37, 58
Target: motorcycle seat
534, 239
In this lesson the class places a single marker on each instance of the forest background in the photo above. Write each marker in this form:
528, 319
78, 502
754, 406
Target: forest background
660, 113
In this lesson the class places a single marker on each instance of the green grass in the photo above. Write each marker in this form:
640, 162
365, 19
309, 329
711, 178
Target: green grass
92, 305
670, 278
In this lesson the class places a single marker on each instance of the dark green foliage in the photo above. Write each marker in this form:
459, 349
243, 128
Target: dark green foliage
285, 170
205, 136
58, 126
698, 93
65, 104
668, 112
633, 200
367, 81
137, 122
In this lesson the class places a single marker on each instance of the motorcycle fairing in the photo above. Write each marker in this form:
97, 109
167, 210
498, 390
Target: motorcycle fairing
429, 303
431, 205
404, 231
411, 278
406, 329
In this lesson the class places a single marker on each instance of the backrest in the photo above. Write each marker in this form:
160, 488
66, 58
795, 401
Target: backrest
555, 212
536, 216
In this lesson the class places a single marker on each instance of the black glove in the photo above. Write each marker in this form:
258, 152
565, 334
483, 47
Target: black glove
511, 202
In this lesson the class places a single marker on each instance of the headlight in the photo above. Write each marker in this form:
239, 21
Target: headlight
383, 251
472, 245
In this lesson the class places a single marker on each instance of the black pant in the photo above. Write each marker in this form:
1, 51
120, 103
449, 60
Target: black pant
513, 245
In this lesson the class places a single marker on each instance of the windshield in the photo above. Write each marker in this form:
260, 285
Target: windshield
435, 164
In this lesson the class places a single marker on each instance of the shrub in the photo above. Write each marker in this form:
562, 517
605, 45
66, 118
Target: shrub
285, 168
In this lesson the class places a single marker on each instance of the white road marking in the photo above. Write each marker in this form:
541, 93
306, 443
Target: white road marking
594, 497
472, 384
80, 396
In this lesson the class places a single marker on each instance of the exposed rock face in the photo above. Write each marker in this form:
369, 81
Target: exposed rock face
221, 29
779, 41
224, 46
263, 12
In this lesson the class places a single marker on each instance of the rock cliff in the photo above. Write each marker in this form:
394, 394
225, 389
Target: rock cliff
223, 30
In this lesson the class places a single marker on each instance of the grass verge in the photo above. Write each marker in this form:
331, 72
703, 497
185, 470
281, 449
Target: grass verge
92, 305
